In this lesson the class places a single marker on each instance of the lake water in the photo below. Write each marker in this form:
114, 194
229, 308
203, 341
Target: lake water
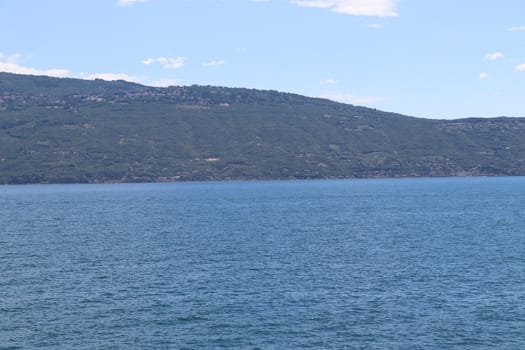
362, 264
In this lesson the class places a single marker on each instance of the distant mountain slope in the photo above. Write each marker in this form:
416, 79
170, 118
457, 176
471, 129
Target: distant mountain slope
70, 130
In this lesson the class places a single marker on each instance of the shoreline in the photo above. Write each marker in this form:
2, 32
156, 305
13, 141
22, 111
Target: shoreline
119, 182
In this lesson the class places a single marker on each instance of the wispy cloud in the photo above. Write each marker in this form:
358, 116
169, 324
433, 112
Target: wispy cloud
11, 64
129, 2
516, 28
323, 4
376, 8
483, 75
353, 99
494, 56
167, 63
164, 82
214, 63
18, 69
172, 63
10, 58
520, 67
328, 81
374, 26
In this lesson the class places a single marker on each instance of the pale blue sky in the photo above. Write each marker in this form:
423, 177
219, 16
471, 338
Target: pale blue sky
425, 58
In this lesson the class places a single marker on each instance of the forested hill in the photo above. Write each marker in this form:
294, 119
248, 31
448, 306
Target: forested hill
70, 130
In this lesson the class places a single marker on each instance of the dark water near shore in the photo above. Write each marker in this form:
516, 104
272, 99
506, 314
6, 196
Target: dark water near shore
365, 264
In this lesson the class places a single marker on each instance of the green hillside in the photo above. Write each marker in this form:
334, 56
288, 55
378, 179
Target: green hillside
70, 130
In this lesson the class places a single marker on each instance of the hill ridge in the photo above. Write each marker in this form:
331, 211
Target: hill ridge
61, 130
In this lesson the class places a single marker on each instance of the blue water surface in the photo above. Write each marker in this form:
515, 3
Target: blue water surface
355, 264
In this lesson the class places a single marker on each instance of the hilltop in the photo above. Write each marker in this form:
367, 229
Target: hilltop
58, 130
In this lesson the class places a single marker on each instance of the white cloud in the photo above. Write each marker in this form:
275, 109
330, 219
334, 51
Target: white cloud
129, 2
494, 56
167, 63
18, 69
520, 67
174, 63
483, 75
377, 8
10, 64
110, 77
516, 28
352, 99
214, 63
148, 61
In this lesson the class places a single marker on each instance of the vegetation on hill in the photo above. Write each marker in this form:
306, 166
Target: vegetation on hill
69, 130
